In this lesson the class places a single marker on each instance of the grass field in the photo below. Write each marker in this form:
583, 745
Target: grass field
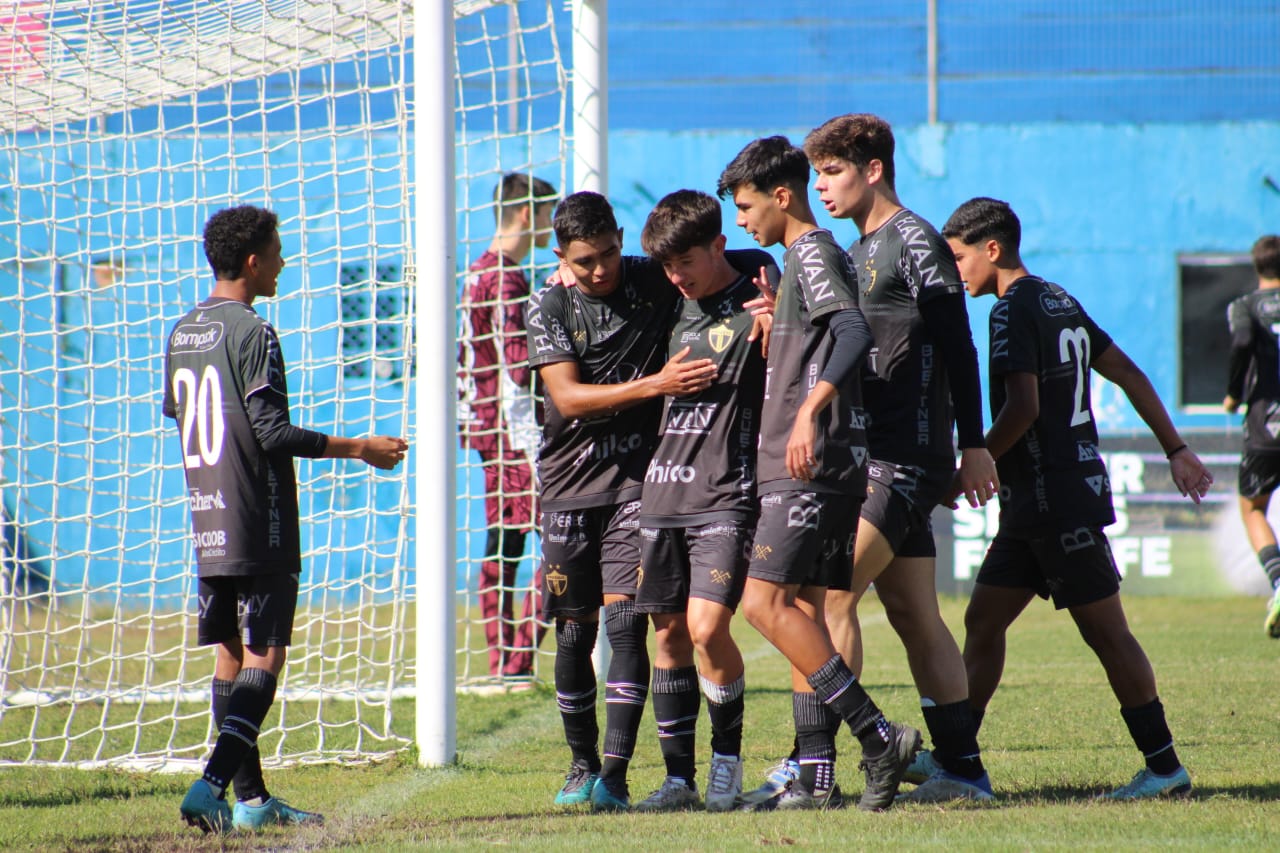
1053, 738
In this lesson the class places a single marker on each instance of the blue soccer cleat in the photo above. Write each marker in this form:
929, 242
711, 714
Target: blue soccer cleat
922, 768
578, 783
610, 795
200, 807
945, 787
776, 781
1146, 785
274, 812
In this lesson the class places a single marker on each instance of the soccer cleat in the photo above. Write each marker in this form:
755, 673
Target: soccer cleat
675, 795
610, 795
201, 808
724, 783
274, 812
1272, 625
923, 766
776, 781
884, 772
799, 798
1146, 785
578, 783
944, 787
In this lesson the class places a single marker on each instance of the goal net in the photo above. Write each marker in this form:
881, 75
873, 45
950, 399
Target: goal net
123, 125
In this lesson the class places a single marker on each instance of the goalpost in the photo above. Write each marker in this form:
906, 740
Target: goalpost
123, 125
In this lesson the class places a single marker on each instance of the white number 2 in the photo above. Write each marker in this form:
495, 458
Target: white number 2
201, 409
1075, 342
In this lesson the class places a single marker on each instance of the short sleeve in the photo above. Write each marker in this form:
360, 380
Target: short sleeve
1014, 338
547, 327
827, 280
261, 362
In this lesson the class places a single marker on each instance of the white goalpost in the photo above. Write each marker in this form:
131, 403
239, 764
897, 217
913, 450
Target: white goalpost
377, 130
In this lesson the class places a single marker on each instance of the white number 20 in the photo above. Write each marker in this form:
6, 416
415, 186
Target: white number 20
1075, 342
201, 409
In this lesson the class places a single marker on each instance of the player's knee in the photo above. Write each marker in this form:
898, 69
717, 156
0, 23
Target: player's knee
625, 627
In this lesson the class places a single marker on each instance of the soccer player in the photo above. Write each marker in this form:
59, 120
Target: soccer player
497, 418
599, 347
1254, 379
811, 479
922, 377
225, 386
1055, 497
698, 504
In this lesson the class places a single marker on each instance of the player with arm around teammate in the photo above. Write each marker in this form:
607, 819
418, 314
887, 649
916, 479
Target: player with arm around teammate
1055, 497
698, 505
811, 479
225, 386
1253, 378
599, 347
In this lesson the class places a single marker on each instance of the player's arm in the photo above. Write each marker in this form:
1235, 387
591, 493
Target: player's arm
851, 340
1189, 474
577, 399
515, 343
947, 320
1018, 414
268, 412
1240, 325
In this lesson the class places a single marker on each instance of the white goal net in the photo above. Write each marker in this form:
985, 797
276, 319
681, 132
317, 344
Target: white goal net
123, 125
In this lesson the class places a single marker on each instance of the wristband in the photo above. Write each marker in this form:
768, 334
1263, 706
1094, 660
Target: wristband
1175, 451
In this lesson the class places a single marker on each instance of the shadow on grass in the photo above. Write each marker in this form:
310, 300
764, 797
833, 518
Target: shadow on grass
125, 788
1054, 794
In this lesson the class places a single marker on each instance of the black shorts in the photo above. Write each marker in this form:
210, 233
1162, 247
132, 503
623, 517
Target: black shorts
900, 502
257, 609
1073, 567
587, 553
679, 563
805, 538
1259, 474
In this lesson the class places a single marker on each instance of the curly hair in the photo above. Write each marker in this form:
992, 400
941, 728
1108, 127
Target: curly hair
233, 234
857, 137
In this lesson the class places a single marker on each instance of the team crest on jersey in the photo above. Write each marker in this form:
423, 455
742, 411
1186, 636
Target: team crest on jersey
720, 337
761, 552
557, 581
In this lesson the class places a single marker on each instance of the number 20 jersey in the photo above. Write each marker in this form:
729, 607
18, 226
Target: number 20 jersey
243, 501
1054, 475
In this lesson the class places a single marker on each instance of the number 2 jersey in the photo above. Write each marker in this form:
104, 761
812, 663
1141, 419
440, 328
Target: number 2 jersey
704, 469
1254, 366
1053, 476
243, 500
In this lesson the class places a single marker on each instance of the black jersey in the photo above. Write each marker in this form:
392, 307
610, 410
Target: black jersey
1254, 379
1053, 476
243, 500
616, 338
900, 265
817, 281
705, 466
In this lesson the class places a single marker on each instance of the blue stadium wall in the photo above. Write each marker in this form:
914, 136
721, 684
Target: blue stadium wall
1124, 135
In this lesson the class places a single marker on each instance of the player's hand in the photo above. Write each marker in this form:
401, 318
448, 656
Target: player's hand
1231, 404
1190, 475
679, 378
977, 479
383, 451
801, 463
561, 276
767, 284
761, 327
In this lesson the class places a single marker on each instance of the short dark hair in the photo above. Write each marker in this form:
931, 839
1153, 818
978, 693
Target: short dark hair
981, 219
679, 222
583, 216
233, 234
1266, 256
515, 190
766, 163
856, 137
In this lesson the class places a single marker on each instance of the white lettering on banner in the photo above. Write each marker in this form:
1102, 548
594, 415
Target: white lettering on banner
1151, 556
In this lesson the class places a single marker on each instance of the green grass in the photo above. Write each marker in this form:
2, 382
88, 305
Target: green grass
1052, 739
